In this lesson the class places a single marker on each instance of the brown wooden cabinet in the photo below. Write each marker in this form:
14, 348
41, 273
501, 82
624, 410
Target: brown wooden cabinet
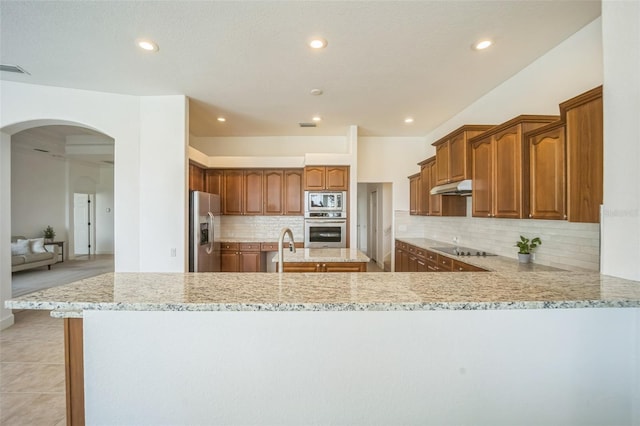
410, 258
453, 155
500, 168
325, 267
329, 178
293, 192
547, 171
252, 192
242, 257
414, 194
196, 178
584, 152
436, 205
273, 192
214, 181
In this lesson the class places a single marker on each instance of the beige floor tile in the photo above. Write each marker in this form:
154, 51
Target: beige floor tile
48, 333
21, 377
33, 409
31, 351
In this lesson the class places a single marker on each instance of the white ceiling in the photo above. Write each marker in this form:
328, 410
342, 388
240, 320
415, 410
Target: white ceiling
249, 60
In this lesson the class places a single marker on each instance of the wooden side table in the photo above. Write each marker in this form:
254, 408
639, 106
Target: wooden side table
59, 244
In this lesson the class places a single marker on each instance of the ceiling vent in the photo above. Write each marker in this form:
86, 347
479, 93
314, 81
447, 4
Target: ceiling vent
307, 124
13, 68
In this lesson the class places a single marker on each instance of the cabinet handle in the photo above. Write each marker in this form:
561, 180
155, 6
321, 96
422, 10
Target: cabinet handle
488, 214
460, 269
317, 265
530, 215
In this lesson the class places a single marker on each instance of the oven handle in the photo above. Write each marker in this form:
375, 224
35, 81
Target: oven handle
315, 222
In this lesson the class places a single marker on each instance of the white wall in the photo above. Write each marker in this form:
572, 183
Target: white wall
621, 213
38, 195
141, 128
104, 212
506, 367
269, 146
6, 315
392, 159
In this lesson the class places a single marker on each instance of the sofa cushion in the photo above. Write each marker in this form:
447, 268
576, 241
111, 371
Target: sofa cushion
17, 260
20, 248
37, 257
36, 245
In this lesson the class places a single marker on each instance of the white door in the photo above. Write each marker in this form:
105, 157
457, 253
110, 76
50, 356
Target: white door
373, 225
83, 220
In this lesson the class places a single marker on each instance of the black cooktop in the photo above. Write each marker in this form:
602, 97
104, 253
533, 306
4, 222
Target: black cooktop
463, 251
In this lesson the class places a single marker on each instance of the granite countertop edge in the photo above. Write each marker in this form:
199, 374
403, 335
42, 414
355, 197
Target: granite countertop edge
75, 310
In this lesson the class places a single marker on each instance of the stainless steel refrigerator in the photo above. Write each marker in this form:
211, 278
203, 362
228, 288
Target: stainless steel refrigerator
204, 232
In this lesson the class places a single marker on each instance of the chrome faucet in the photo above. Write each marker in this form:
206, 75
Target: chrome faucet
292, 247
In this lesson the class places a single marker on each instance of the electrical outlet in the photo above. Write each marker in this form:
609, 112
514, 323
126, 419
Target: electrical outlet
173, 252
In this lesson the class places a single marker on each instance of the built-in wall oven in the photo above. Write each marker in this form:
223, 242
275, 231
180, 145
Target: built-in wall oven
325, 219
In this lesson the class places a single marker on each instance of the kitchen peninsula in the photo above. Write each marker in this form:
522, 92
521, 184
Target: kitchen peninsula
229, 348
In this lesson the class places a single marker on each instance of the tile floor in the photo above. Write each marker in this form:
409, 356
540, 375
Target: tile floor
32, 377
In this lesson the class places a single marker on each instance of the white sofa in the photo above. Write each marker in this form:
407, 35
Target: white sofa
22, 259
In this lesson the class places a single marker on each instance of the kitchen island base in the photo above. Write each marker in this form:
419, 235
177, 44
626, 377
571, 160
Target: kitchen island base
538, 366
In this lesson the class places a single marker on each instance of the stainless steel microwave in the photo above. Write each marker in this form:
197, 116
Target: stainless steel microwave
325, 204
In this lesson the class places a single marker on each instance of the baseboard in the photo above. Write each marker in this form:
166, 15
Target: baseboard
7, 322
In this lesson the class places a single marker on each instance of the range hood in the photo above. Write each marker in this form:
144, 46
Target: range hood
455, 188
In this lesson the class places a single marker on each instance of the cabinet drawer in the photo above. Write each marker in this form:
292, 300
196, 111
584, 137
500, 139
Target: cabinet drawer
445, 263
411, 249
251, 246
432, 267
401, 245
431, 256
420, 252
465, 267
229, 246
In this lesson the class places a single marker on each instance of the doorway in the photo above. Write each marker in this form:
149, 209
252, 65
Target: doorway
84, 224
373, 226
375, 222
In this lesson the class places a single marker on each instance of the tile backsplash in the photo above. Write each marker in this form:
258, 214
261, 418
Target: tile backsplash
260, 228
566, 245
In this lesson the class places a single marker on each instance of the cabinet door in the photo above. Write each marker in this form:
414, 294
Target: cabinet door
412, 263
214, 182
421, 265
301, 267
398, 267
442, 164
424, 188
196, 178
250, 261
273, 192
314, 178
458, 158
232, 193
229, 261
404, 261
344, 267
253, 192
414, 194
337, 178
481, 161
547, 174
508, 188
435, 201
293, 193
585, 159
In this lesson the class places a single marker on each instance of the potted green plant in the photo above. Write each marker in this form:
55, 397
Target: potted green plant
526, 246
49, 233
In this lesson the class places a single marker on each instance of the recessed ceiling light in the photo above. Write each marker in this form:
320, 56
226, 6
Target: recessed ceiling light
222, 119
408, 120
148, 45
317, 118
481, 45
316, 92
318, 43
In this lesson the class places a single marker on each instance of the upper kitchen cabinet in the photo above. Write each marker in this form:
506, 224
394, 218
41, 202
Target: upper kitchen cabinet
242, 192
414, 194
283, 192
584, 138
547, 171
500, 168
436, 205
453, 155
214, 181
196, 178
329, 178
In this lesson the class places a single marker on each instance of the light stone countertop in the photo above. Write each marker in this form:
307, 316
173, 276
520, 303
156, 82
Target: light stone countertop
312, 255
384, 291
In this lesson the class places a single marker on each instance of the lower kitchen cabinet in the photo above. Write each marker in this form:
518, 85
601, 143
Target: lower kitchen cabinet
325, 267
410, 258
242, 257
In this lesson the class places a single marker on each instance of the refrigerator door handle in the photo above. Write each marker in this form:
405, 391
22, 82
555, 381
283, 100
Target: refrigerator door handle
209, 249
